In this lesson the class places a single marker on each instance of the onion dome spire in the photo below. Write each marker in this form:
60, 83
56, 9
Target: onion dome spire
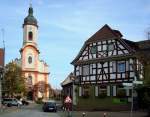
30, 19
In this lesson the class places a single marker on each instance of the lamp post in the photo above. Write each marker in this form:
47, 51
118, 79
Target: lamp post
73, 79
135, 82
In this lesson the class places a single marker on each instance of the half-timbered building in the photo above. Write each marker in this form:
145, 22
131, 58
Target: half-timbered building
105, 62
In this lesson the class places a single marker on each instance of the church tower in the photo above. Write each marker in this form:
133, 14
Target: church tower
34, 70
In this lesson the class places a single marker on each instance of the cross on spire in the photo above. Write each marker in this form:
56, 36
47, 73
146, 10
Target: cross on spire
30, 3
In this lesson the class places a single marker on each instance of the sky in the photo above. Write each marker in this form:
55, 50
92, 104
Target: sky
64, 26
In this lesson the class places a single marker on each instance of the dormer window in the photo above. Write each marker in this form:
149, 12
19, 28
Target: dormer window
30, 36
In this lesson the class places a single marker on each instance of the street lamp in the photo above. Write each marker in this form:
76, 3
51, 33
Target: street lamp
72, 79
135, 82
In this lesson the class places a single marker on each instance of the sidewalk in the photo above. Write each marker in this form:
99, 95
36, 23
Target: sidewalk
6, 109
101, 114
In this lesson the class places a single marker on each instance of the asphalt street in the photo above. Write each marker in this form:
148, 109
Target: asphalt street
35, 110
28, 111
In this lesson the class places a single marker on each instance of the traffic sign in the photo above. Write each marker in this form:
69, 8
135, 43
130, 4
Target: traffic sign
128, 84
138, 82
68, 100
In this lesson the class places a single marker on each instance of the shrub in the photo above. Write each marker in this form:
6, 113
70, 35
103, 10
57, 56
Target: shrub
121, 93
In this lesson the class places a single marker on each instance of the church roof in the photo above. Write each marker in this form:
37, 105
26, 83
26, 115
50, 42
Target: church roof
30, 19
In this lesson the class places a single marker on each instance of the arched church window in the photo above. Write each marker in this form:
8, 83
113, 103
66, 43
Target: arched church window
30, 36
30, 60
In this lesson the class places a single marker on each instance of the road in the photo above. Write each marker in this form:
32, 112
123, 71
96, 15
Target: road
32, 110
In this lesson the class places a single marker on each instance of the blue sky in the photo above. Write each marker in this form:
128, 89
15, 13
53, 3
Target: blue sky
64, 25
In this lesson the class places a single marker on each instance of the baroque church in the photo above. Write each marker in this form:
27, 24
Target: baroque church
34, 70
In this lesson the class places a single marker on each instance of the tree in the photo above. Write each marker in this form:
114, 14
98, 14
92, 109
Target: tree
143, 91
13, 82
41, 87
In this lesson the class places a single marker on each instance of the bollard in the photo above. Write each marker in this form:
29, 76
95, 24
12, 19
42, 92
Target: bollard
105, 114
83, 114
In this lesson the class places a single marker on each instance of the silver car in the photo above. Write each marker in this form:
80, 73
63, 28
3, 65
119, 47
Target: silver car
11, 102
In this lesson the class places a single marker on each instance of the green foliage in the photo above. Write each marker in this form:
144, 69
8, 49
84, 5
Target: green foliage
13, 82
119, 101
147, 75
144, 91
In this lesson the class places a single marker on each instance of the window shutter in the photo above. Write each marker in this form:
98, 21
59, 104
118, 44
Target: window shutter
80, 91
114, 90
108, 90
127, 91
96, 91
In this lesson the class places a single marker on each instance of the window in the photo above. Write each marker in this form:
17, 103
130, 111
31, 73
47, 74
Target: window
121, 67
110, 47
29, 80
93, 49
86, 70
121, 92
85, 91
30, 60
113, 66
30, 36
102, 91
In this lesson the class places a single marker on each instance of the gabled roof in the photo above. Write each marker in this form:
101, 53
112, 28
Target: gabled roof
143, 45
140, 45
68, 80
105, 33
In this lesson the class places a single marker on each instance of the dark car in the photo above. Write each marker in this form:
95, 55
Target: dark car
50, 106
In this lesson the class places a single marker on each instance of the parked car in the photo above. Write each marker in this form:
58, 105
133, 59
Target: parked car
25, 102
11, 102
50, 106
